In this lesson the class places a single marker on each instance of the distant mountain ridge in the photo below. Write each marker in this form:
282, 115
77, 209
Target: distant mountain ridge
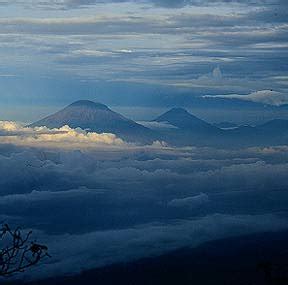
277, 125
226, 125
189, 130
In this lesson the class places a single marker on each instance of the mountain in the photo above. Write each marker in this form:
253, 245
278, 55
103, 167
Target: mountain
277, 125
274, 132
225, 125
182, 128
189, 130
98, 118
182, 119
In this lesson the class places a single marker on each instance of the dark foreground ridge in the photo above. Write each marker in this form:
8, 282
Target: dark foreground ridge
238, 261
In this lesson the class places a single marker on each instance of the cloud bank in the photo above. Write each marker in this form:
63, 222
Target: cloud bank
64, 137
110, 204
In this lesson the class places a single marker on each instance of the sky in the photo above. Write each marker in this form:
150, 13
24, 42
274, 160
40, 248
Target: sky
150, 54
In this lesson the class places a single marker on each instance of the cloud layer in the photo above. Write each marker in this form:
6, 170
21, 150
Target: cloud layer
110, 204
64, 137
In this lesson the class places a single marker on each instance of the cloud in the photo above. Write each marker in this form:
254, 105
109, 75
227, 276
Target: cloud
191, 202
160, 3
107, 247
157, 125
110, 204
43, 196
91, 45
181, 3
268, 97
64, 137
217, 73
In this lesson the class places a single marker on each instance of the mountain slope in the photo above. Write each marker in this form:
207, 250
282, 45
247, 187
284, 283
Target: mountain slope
189, 130
182, 119
98, 118
225, 125
277, 125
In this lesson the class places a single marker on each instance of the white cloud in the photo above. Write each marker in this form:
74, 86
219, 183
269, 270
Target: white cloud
9, 126
268, 97
190, 202
217, 73
64, 137
43, 196
156, 125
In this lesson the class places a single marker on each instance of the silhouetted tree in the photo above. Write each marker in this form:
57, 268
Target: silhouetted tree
17, 251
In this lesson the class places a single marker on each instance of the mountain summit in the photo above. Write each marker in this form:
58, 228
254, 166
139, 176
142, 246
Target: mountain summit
89, 104
98, 118
182, 119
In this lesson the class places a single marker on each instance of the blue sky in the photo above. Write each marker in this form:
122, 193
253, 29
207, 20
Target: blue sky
138, 53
